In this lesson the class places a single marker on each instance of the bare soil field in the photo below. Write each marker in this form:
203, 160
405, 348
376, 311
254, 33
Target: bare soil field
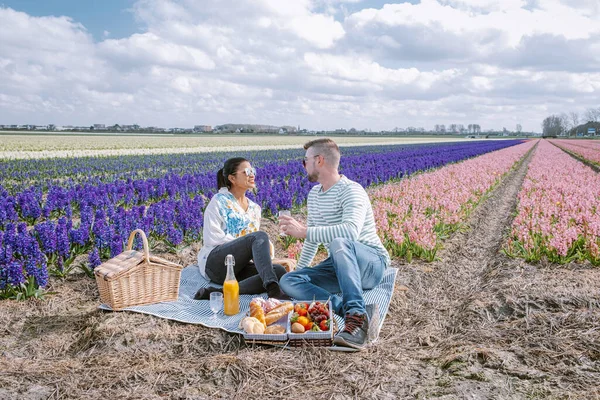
474, 324
50, 146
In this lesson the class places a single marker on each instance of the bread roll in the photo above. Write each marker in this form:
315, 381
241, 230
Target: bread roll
274, 330
252, 325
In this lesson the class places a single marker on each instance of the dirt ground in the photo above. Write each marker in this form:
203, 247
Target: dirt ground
473, 325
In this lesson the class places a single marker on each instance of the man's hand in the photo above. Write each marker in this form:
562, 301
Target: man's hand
290, 226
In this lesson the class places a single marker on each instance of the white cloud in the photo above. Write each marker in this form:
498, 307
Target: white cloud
359, 70
505, 16
319, 30
307, 62
148, 49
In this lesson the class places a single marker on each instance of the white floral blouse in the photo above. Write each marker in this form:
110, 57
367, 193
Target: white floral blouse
224, 221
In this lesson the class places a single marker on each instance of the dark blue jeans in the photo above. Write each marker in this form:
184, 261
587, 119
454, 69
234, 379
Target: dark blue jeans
253, 267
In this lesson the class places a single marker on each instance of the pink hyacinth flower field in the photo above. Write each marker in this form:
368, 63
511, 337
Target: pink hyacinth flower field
414, 215
588, 149
559, 210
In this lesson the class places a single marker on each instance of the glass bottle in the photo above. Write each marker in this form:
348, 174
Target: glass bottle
231, 289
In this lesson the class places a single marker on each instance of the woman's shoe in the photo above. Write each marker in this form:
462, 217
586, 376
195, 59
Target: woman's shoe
274, 292
204, 292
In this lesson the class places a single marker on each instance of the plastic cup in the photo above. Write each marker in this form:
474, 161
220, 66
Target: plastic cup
216, 303
282, 213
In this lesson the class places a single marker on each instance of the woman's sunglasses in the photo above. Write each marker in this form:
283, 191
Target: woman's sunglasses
250, 171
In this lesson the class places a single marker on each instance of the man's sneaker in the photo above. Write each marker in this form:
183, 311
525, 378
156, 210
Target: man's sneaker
355, 333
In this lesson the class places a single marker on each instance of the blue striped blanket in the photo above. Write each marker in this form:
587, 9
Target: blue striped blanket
191, 311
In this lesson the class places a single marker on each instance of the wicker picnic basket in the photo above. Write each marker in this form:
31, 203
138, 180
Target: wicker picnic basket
135, 278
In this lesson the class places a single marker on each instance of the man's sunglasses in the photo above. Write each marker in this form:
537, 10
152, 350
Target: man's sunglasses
305, 159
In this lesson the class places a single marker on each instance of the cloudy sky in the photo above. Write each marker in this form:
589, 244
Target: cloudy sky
320, 64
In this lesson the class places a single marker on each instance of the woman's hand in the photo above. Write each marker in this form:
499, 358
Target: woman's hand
290, 226
288, 263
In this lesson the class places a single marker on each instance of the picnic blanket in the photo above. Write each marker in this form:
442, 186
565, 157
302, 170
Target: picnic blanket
191, 311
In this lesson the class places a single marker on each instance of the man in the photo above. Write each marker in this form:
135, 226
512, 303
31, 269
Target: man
340, 217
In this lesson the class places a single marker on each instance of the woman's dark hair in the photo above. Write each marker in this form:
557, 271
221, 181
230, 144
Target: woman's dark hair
229, 168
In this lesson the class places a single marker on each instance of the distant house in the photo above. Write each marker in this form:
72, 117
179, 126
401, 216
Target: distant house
179, 130
202, 128
157, 130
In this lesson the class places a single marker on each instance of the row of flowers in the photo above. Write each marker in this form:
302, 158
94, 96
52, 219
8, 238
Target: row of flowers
587, 149
27, 256
416, 214
96, 220
559, 210
279, 184
18, 175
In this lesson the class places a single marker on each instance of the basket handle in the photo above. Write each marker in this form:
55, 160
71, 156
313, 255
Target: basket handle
144, 240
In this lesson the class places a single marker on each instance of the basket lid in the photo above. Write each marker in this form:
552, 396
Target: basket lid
113, 268
123, 262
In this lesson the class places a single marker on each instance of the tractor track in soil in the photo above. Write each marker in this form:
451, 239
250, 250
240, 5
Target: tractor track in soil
495, 327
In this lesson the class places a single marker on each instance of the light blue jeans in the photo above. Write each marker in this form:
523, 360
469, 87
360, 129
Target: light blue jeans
350, 268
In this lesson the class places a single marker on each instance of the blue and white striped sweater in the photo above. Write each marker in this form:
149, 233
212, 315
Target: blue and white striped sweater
343, 211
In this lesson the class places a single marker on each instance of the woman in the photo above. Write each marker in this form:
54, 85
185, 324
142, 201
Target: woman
231, 226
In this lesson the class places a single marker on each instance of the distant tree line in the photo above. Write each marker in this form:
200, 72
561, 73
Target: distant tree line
571, 124
457, 128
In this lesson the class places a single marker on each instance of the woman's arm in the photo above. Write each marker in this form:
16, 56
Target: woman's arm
257, 218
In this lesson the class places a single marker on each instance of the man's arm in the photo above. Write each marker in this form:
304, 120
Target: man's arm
307, 254
309, 249
354, 206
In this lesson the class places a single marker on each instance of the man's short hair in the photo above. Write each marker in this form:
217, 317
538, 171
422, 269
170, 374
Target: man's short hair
327, 148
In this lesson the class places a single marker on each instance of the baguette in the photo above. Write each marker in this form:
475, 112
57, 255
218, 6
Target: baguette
273, 317
278, 312
287, 307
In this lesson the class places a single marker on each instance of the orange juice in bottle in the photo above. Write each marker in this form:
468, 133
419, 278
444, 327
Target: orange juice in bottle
231, 289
